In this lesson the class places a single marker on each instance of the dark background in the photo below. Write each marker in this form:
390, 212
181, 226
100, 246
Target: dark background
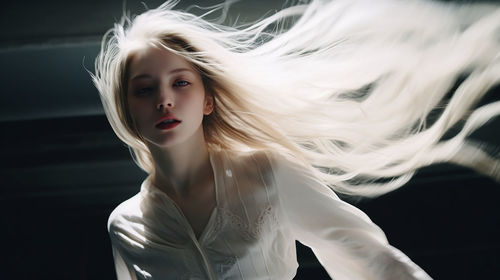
63, 170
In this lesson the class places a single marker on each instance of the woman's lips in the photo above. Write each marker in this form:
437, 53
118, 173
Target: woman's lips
167, 121
168, 125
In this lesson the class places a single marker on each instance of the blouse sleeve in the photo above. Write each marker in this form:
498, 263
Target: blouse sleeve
345, 241
122, 271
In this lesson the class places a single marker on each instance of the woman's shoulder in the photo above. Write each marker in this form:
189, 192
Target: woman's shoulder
124, 212
264, 160
250, 161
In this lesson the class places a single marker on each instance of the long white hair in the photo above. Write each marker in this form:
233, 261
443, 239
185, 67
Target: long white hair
355, 90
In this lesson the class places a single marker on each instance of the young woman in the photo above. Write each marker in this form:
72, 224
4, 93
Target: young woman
244, 131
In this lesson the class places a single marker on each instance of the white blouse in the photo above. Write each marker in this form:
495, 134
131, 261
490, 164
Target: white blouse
264, 203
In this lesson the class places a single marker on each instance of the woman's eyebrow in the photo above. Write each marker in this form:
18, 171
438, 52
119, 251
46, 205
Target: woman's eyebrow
147, 76
141, 76
180, 70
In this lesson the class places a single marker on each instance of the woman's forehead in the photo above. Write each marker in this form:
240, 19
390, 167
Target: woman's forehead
156, 60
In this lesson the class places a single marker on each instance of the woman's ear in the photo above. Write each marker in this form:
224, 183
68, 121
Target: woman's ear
209, 104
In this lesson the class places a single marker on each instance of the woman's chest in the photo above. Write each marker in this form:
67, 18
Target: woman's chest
197, 211
247, 212
237, 240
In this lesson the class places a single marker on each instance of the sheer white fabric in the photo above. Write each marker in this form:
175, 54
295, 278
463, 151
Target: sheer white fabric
264, 203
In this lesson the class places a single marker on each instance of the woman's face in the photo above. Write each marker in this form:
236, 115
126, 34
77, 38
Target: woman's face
166, 97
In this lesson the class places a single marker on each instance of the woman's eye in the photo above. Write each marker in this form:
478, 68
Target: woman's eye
181, 83
144, 91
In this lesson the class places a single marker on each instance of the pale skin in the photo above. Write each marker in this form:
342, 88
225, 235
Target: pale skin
161, 83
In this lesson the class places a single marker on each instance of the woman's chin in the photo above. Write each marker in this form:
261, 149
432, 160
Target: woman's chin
164, 141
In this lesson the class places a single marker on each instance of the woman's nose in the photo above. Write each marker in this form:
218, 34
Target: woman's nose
164, 106
165, 101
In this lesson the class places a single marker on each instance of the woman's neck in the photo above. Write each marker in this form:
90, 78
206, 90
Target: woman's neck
180, 169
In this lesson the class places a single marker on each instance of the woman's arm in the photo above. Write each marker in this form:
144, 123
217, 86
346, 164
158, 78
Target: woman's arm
345, 241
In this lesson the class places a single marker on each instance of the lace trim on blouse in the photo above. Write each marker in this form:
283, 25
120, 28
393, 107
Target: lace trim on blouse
249, 231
